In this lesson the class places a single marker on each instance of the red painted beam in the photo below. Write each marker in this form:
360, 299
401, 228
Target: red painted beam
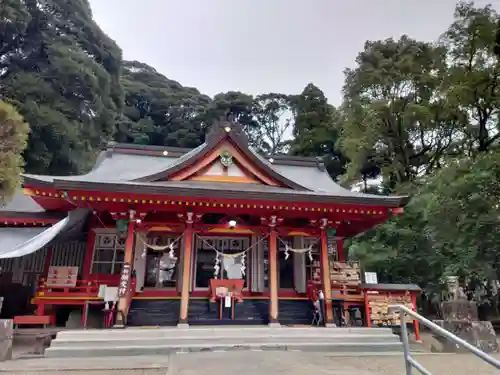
25, 221
145, 203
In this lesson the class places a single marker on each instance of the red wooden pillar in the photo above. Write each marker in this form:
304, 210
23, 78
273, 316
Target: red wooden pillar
40, 310
273, 276
368, 311
325, 278
186, 269
89, 251
340, 249
416, 325
124, 302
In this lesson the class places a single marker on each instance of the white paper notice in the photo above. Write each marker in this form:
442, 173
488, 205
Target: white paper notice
102, 291
111, 294
371, 278
227, 301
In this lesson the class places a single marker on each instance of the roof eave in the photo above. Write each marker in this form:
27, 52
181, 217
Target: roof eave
50, 216
31, 180
375, 201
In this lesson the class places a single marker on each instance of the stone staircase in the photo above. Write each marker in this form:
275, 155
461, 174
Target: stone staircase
161, 341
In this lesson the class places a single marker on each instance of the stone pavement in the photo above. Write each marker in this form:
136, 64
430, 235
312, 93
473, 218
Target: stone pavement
248, 363
141, 365
252, 363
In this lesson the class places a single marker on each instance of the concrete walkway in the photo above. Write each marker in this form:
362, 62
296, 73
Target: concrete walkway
252, 363
247, 363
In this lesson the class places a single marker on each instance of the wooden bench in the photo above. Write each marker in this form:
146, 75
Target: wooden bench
31, 320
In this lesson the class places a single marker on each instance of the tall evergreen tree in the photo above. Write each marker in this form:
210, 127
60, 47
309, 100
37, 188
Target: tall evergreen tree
62, 72
395, 113
160, 111
13, 136
317, 128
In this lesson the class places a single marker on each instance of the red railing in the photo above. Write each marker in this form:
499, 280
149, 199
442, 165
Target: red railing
83, 288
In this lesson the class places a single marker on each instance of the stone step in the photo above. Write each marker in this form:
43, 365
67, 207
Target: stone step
244, 339
222, 332
135, 350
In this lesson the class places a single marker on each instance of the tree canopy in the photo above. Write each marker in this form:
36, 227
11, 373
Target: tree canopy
159, 111
63, 75
429, 115
13, 136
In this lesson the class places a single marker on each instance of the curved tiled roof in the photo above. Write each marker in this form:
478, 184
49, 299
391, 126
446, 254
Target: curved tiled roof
125, 167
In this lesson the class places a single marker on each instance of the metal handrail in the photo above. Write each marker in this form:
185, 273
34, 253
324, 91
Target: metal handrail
410, 362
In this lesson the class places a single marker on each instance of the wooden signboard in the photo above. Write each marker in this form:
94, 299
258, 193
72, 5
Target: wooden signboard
345, 273
124, 280
379, 308
316, 271
62, 277
222, 288
331, 242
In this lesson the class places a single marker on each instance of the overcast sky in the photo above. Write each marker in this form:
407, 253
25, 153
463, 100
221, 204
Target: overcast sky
260, 46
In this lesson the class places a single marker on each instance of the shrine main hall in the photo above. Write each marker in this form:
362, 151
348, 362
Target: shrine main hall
219, 234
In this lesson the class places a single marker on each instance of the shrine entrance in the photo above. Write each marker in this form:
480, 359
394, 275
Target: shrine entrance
159, 259
161, 270
220, 258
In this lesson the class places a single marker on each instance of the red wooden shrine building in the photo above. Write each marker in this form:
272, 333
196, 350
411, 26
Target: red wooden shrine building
217, 234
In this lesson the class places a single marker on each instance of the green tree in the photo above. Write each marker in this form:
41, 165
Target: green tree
474, 74
317, 128
394, 113
391, 248
13, 136
240, 107
160, 111
273, 113
62, 73
462, 215
429, 114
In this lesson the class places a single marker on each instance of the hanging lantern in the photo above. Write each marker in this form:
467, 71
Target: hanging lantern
122, 226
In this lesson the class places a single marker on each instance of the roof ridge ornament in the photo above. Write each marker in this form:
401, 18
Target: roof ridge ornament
226, 125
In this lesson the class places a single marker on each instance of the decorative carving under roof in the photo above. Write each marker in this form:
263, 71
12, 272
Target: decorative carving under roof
224, 126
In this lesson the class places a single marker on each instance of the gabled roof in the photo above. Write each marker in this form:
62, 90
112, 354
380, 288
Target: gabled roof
25, 207
125, 168
22, 203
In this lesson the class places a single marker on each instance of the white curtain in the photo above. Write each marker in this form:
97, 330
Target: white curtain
180, 265
299, 266
254, 274
258, 286
194, 246
139, 263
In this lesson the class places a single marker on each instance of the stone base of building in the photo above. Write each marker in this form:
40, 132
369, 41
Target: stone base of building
480, 334
6, 338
